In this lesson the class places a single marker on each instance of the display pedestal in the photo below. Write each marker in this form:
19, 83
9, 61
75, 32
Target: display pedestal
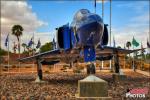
93, 87
119, 77
39, 81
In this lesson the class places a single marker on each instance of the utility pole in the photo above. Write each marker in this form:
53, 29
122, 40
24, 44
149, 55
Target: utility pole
110, 31
103, 21
103, 10
33, 53
8, 52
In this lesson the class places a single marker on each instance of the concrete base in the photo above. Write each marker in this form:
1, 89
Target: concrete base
39, 81
118, 77
92, 98
93, 87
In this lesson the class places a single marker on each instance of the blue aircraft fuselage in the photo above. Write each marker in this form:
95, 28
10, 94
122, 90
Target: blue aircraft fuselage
86, 31
89, 28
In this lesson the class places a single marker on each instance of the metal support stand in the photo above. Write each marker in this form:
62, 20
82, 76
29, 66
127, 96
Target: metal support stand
39, 71
91, 69
118, 76
116, 61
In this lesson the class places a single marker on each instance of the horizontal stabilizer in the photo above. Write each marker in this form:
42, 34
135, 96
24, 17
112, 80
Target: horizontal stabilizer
30, 58
49, 63
102, 58
112, 50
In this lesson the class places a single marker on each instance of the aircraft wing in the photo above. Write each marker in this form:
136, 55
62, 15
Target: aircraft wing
40, 55
107, 52
111, 50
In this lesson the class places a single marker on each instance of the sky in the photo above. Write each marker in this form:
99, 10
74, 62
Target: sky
129, 18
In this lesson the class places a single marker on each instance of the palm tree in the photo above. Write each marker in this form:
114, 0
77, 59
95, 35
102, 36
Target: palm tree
128, 44
24, 46
17, 30
14, 47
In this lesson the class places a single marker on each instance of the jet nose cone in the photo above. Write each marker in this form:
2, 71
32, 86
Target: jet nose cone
81, 14
89, 27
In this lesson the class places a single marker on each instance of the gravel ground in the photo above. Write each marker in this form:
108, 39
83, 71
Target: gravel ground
63, 86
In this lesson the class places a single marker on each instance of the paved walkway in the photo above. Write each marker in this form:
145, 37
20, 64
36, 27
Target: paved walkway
138, 71
143, 72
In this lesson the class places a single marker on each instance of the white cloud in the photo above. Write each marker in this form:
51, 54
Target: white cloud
18, 12
137, 27
137, 6
142, 19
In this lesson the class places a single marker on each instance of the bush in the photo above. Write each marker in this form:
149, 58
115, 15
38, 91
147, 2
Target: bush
2, 52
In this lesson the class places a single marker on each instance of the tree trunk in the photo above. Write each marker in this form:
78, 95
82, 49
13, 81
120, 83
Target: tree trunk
24, 49
19, 50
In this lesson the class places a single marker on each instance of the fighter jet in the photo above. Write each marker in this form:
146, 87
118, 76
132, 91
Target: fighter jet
86, 36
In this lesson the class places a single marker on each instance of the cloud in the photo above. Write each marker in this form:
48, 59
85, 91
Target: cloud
137, 6
138, 27
18, 12
142, 19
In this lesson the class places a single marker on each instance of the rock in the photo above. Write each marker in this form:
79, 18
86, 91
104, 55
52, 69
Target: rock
119, 77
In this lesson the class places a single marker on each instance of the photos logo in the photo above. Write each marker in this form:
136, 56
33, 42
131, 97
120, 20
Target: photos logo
137, 93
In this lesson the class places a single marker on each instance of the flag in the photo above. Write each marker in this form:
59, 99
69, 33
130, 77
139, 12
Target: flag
38, 44
148, 44
134, 42
114, 42
6, 41
30, 42
54, 44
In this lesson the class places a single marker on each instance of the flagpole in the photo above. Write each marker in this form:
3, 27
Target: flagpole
102, 64
33, 53
19, 53
8, 53
141, 56
103, 10
124, 58
124, 61
0, 58
133, 60
110, 31
103, 21
149, 42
